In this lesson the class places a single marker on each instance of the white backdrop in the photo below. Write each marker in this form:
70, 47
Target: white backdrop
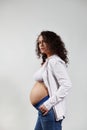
20, 23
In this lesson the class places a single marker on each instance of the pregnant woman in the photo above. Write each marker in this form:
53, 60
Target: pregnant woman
52, 85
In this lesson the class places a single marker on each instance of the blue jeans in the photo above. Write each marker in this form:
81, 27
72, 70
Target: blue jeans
48, 121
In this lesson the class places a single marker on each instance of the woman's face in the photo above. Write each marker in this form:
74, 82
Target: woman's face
43, 46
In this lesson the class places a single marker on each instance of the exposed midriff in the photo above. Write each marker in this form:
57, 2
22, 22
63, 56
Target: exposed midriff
38, 92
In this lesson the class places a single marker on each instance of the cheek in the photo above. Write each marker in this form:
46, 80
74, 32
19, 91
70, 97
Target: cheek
45, 45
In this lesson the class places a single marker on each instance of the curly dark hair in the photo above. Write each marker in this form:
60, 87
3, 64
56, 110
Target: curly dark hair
55, 44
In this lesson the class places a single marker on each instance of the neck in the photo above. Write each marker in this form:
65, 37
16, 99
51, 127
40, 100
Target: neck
50, 54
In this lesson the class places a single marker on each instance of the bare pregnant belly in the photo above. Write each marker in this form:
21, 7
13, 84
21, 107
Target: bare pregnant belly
38, 92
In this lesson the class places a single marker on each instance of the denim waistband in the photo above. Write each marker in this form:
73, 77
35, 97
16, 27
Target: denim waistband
40, 102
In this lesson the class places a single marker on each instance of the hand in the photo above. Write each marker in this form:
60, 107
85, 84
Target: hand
43, 109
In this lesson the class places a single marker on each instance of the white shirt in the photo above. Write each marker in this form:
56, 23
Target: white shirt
58, 83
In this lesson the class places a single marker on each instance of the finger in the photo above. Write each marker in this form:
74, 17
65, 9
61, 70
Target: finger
45, 113
42, 108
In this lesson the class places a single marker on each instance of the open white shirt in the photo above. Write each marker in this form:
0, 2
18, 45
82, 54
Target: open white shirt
58, 83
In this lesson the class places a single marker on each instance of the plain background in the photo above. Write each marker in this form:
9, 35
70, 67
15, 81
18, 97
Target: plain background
20, 23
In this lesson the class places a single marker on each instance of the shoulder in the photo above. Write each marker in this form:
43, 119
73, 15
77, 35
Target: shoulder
55, 59
57, 65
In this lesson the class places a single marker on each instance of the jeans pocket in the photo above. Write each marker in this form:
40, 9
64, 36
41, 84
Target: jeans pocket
49, 116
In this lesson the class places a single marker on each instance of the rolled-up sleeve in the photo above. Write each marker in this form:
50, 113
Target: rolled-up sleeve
62, 77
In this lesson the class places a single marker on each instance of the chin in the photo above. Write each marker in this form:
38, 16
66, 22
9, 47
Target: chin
42, 52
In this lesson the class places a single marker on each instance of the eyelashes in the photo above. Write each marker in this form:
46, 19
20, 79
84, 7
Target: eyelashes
40, 42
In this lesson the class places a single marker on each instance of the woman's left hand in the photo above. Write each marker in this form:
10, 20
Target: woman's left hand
43, 109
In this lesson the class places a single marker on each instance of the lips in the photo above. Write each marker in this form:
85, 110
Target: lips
41, 48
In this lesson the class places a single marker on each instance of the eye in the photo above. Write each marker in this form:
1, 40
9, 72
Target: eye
39, 43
